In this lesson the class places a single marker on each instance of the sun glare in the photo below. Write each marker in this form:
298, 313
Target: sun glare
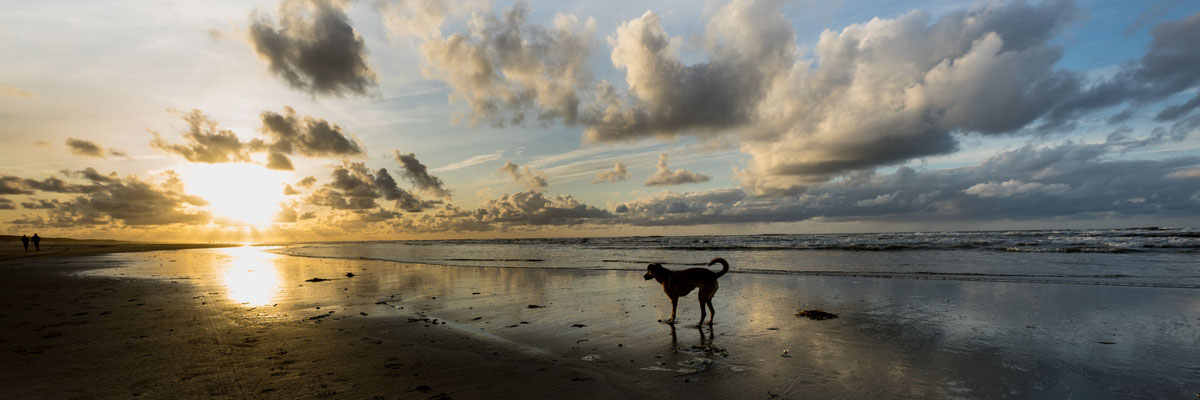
237, 193
251, 277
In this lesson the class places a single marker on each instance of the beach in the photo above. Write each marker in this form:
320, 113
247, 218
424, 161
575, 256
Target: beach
250, 322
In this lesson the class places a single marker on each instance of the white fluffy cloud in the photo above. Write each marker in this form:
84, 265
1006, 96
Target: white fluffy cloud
508, 70
617, 174
665, 176
873, 94
533, 179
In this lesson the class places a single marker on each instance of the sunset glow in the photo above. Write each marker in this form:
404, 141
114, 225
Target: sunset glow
237, 193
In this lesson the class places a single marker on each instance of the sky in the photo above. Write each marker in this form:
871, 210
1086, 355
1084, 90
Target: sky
307, 120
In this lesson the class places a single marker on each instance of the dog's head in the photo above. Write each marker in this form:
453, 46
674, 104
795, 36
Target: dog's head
654, 271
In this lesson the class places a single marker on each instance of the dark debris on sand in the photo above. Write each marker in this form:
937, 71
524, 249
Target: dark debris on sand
815, 314
317, 280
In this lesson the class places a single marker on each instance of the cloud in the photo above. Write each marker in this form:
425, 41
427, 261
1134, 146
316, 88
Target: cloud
280, 162
423, 18
41, 204
750, 43
106, 200
533, 179
354, 187
617, 174
418, 174
507, 70
285, 134
315, 48
91, 149
879, 93
13, 185
307, 182
1165, 70
13, 91
1013, 187
879, 200
1067, 181
286, 214
6, 204
510, 211
307, 136
664, 176
205, 142
681, 209
474, 160
84, 148
1183, 174
892, 90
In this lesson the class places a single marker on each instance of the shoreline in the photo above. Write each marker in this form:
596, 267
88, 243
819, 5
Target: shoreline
244, 322
76, 248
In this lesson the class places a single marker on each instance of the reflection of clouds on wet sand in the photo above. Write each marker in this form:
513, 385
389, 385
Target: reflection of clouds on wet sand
896, 338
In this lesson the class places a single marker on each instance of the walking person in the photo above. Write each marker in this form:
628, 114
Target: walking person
37, 242
25, 242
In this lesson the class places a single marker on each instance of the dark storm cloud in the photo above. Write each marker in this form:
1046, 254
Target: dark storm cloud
418, 174
314, 49
665, 176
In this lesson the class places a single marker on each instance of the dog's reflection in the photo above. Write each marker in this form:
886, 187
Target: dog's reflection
706, 339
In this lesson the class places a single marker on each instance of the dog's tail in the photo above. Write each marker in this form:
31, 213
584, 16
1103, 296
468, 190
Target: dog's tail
724, 265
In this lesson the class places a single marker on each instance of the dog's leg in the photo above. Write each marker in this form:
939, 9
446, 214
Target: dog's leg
712, 314
674, 306
701, 313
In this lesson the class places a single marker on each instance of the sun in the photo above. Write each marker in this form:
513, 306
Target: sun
238, 193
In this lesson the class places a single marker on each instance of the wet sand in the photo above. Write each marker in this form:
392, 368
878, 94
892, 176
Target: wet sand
243, 322
12, 250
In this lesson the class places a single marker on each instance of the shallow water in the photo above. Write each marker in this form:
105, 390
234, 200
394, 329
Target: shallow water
895, 338
1154, 257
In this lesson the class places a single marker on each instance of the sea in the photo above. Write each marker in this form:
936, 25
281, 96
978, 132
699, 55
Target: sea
1138, 257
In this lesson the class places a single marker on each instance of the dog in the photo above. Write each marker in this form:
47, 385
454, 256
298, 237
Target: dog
679, 283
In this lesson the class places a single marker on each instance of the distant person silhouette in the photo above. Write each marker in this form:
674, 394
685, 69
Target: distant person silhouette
25, 241
37, 242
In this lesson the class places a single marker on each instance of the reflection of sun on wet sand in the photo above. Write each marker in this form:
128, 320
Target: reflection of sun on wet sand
244, 322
